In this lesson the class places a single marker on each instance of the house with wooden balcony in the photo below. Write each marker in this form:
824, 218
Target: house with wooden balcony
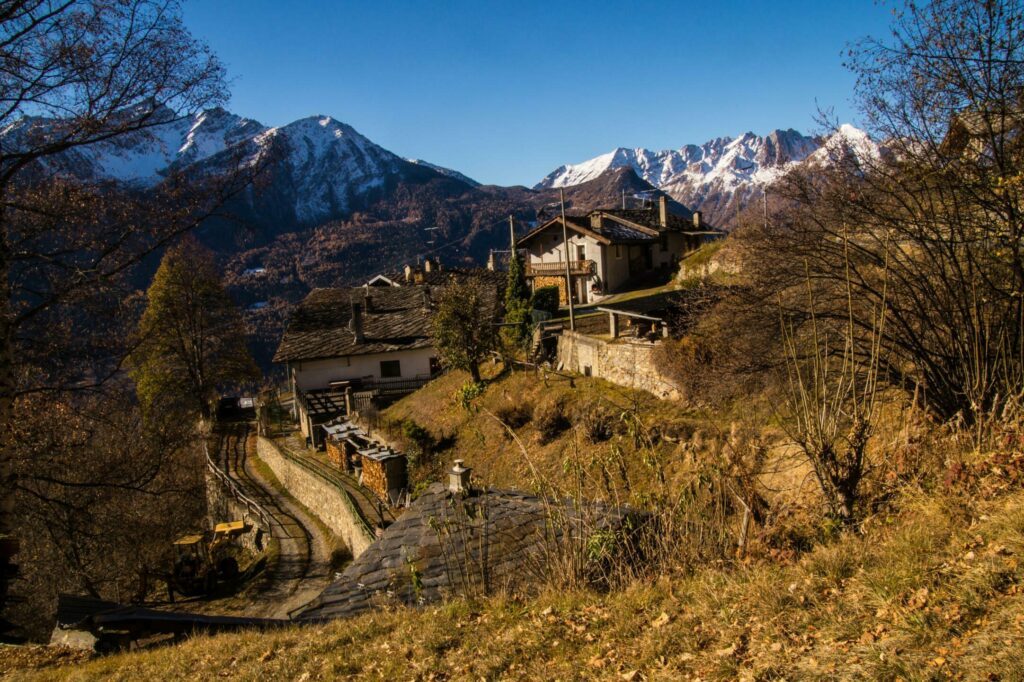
610, 250
364, 343
348, 348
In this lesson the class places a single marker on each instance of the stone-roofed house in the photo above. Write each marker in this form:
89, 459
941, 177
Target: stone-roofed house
342, 344
456, 539
609, 248
432, 273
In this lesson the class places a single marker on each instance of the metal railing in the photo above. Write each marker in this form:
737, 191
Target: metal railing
394, 386
235, 490
576, 267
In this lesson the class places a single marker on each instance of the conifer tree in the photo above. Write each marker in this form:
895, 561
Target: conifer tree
517, 305
192, 341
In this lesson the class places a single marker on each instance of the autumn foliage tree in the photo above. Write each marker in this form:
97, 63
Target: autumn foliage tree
192, 339
74, 73
463, 326
927, 227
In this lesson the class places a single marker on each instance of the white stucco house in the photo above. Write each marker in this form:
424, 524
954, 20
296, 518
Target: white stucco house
346, 344
609, 248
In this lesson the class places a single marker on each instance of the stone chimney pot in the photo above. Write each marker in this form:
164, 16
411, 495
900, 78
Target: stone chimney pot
355, 325
458, 478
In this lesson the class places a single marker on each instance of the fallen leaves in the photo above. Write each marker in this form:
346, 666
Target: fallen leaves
661, 621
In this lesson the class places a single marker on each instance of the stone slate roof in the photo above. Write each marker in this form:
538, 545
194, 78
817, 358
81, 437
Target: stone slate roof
624, 233
394, 318
609, 233
447, 274
627, 226
447, 544
650, 217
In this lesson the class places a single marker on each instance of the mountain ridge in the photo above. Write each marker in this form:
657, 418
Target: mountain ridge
720, 176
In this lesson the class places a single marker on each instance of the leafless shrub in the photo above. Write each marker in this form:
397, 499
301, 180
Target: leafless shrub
831, 402
549, 419
595, 418
515, 414
101, 498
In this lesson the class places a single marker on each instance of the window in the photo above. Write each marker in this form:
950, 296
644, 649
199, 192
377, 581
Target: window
618, 250
390, 369
581, 252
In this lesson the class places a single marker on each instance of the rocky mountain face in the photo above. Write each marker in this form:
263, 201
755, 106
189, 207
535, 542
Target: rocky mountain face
332, 208
721, 176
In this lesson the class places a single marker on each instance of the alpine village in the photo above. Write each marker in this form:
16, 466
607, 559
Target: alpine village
278, 403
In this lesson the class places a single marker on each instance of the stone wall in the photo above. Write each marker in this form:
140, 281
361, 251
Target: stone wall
320, 496
222, 506
627, 362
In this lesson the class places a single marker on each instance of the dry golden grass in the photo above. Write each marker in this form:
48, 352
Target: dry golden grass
929, 586
933, 591
483, 442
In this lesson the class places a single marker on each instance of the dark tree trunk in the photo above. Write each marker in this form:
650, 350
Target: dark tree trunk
8, 476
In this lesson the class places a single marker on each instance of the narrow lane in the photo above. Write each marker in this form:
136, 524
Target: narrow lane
302, 568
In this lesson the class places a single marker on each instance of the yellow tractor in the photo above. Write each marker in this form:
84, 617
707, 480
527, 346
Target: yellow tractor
204, 560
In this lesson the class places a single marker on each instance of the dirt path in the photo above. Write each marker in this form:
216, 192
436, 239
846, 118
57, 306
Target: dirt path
302, 569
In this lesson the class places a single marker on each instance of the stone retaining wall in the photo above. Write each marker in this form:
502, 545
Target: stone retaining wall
321, 497
626, 362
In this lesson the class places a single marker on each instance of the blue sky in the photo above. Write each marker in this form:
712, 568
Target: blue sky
506, 92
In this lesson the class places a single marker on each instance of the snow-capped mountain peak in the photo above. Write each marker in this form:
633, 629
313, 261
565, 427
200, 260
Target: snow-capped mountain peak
324, 165
720, 175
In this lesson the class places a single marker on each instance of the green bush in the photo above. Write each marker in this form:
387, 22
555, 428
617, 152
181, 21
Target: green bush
546, 299
468, 392
421, 439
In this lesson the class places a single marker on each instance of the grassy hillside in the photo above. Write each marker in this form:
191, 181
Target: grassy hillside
556, 420
931, 591
927, 586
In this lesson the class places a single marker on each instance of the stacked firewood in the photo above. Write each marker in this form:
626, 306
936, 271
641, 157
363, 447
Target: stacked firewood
375, 477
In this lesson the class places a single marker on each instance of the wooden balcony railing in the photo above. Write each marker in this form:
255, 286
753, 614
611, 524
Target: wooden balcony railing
576, 267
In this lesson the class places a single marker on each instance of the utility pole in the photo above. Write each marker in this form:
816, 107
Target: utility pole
568, 273
511, 236
623, 200
765, 196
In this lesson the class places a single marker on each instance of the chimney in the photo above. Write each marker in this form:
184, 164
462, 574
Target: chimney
458, 478
355, 325
490, 261
437, 262
663, 210
595, 220
428, 265
698, 223
408, 273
